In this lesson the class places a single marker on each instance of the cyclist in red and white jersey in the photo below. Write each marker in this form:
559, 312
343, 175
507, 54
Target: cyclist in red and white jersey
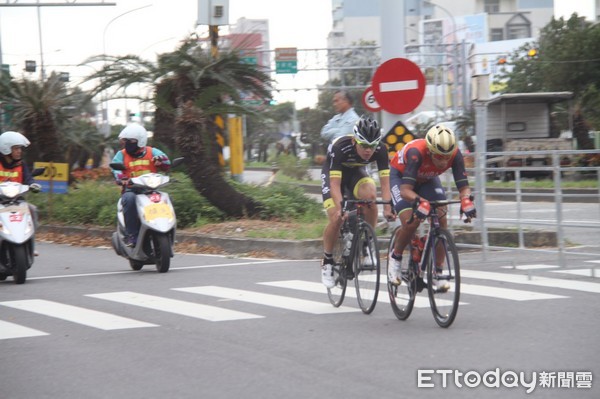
414, 176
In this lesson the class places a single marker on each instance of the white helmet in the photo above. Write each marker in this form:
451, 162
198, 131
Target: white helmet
440, 140
135, 131
10, 139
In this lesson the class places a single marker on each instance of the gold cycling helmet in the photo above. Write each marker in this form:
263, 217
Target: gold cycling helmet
441, 140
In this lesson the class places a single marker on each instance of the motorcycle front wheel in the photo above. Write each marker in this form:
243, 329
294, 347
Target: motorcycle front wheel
20, 263
161, 248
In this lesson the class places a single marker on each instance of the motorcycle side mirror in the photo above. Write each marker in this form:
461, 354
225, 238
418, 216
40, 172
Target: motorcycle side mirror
177, 161
38, 171
117, 166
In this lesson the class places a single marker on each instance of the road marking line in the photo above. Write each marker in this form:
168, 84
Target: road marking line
398, 85
505, 293
530, 267
580, 272
75, 314
278, 301
196, 310
420, 301
535, 280
11, 330
172, 268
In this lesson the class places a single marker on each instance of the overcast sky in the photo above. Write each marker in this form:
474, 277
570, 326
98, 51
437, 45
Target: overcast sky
71, 34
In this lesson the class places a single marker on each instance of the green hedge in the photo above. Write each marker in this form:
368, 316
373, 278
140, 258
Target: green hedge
95, 203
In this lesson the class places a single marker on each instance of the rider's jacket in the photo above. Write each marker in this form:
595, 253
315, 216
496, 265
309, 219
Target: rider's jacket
15, 171
11, 174
416, 166
137, 166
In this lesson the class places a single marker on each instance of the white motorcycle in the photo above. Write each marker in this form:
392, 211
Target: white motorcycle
17, 230
157, 222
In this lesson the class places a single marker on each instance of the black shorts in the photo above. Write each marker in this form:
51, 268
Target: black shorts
431, 190
352, 179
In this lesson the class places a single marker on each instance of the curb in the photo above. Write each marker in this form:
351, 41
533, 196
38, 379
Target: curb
303, 249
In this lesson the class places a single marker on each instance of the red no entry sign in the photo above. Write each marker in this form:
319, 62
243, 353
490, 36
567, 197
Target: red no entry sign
398, 85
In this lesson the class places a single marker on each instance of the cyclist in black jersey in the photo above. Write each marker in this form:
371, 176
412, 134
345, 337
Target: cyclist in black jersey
345, 173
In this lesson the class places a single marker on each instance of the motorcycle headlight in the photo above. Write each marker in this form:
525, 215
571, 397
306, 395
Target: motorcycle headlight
152, 181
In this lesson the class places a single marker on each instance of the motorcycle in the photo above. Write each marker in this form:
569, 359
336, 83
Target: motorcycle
17, 230
158, 222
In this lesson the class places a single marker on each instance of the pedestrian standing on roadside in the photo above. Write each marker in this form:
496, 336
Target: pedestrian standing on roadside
342, 124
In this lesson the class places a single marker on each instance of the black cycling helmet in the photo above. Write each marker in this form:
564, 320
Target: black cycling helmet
367, 131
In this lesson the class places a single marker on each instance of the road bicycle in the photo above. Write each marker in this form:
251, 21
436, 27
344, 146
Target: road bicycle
419, 259
356, 257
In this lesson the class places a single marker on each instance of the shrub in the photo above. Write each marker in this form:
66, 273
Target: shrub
291, 166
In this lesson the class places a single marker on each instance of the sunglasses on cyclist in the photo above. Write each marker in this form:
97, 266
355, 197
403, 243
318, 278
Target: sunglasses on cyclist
367, 146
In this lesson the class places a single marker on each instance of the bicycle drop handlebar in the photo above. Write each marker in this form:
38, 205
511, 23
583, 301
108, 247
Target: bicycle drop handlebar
434, 206
346, 202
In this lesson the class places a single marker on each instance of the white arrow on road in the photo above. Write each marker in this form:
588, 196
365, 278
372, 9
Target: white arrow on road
398, 85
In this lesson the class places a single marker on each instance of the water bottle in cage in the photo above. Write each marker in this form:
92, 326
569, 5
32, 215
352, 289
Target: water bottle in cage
347, 242
417, 247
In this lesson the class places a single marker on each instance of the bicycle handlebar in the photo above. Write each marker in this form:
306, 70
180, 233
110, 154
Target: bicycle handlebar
345, 202
434, 205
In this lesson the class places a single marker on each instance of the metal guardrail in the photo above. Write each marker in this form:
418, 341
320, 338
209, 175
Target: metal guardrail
557, 195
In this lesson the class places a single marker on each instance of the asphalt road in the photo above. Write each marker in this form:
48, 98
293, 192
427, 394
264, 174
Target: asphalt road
85, 326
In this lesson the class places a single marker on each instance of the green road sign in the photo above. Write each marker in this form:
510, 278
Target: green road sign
286, 66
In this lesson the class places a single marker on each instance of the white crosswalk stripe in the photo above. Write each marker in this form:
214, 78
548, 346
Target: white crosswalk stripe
12, 330
75, 314
534, 280
277, 301
320, 306
300, 285
199, 311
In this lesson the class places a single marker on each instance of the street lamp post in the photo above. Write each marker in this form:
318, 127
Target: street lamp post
105, 124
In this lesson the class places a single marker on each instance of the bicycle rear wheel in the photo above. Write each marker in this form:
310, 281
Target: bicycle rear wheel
444, 301
338, 292
366, 268
402, 297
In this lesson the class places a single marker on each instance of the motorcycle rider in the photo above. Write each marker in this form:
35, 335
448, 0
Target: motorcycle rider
138, 159
12, 167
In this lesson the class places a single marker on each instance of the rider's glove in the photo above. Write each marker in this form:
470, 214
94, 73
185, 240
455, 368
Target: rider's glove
35, 187
159, 160
423, 209
467, 207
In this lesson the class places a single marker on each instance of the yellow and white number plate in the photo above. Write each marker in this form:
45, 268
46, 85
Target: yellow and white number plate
155, 211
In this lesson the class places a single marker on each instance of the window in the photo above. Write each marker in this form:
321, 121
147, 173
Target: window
518, 31
516, 126
496, 34
491, 6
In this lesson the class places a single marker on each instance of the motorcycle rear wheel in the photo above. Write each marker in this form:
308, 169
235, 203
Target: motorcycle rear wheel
136, 264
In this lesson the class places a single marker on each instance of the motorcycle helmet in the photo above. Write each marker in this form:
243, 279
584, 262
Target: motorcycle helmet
10, 139
135, 131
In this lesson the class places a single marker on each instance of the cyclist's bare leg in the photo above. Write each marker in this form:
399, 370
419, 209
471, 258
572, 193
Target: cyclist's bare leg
404, 235
331, 230
367, 191
439, 250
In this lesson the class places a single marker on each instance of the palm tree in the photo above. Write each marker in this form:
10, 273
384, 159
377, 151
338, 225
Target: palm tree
190, 89
39, 108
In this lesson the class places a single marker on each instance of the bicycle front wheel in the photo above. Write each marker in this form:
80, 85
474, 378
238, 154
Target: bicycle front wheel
402, 296
443, 278
366, 267
337, 293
